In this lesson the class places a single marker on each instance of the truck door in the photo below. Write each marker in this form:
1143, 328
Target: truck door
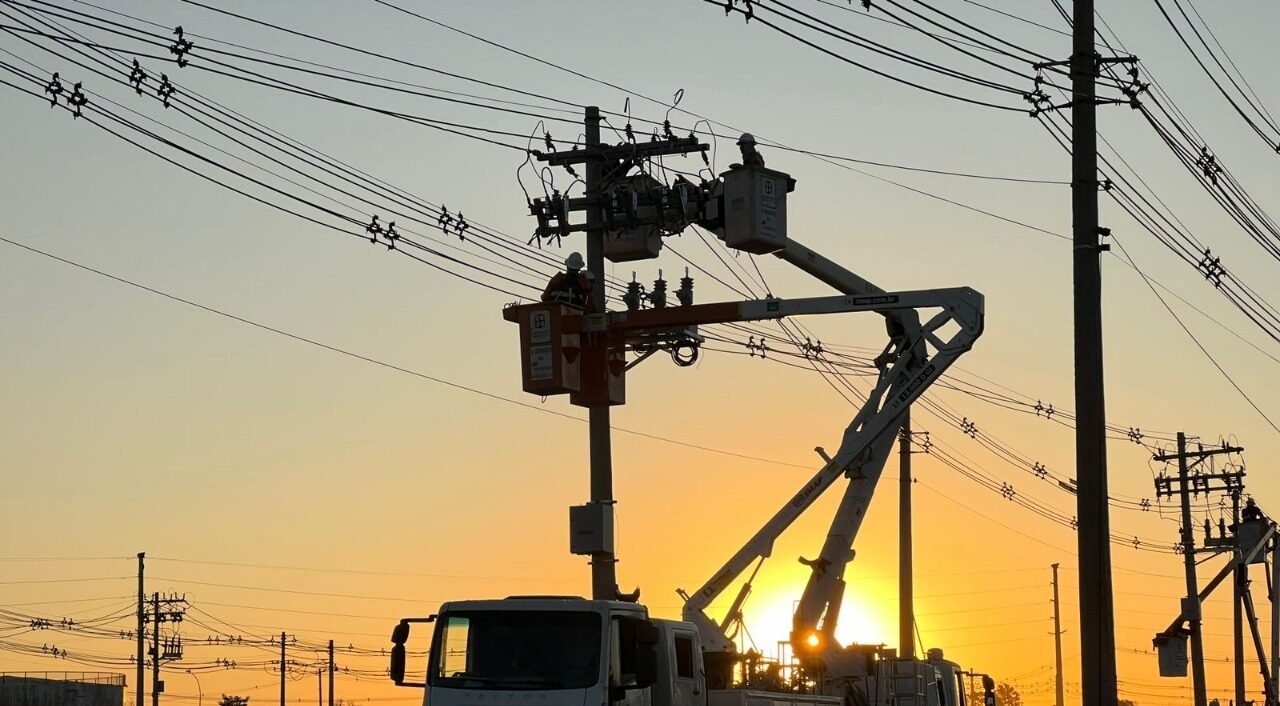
686, 689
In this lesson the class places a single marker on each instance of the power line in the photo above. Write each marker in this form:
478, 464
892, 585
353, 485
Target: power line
390, 366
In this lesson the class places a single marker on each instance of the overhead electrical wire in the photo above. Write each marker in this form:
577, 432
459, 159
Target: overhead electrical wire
865, 67
1271, 139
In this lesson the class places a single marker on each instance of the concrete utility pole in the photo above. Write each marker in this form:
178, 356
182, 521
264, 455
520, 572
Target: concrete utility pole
155, 649
1193, 586
604, 577
282, 668
598, 376
331, 671
1188, 484
1275, 619
1241, 584
906, 606
142, 629
1097, 614
1057, 642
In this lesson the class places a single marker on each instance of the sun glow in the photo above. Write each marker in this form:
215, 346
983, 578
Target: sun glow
768, 619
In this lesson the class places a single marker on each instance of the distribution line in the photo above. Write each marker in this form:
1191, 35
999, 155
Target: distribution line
390, 366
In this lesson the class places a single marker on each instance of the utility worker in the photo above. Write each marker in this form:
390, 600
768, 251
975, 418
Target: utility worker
572, 287
1251, 511
750, 157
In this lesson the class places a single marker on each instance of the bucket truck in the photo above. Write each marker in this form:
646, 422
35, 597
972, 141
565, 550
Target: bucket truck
570, 650
916, 356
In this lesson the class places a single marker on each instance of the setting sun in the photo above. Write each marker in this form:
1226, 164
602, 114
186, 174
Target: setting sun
862, 620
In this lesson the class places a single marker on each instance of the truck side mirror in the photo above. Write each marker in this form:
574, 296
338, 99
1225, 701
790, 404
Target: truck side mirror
397, 664
399, 636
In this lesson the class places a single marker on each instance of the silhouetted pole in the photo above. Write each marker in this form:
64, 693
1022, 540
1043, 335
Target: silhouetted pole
319, 688
1193, 588
155, 649
142, 630
906, 607
1275, 619
1057, 642
282, 638
604, 583
331, 671
1097, 619
1237, 601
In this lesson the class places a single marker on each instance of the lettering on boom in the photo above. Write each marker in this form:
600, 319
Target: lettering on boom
873, 300
803, 496
915, 384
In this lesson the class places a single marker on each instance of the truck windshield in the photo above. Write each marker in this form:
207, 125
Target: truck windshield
525, 650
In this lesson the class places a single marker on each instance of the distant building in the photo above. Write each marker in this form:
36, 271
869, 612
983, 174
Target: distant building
61, 689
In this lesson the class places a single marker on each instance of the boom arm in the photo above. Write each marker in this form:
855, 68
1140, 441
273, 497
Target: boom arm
907, 370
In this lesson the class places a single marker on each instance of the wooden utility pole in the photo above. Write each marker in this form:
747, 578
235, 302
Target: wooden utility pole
142, 629
1097, 616
331, 671
906, 607
1057, 642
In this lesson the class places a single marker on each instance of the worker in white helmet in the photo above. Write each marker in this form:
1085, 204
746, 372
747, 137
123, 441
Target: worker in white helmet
750, 156
571, 287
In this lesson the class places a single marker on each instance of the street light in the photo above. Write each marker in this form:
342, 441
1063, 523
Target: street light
199, 689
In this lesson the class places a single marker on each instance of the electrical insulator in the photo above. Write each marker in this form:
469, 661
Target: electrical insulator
658, 295
685, 293
634, 294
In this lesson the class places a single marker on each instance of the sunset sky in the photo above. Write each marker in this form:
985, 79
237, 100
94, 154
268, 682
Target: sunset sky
284, 485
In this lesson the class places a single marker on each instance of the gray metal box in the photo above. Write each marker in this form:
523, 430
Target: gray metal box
755, 209
590, 528
639, 243
1172, 652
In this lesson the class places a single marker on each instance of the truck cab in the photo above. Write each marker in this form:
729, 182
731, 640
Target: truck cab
556, 650
567, 651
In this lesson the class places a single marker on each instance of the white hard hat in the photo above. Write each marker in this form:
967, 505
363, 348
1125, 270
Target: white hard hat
574, 261
747, 139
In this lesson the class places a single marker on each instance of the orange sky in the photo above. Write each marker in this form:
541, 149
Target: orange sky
229, 453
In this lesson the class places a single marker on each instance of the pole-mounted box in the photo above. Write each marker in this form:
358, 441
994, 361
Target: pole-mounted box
642, 242
550, 347
755, 209
603, 373
1171, 649
591, 528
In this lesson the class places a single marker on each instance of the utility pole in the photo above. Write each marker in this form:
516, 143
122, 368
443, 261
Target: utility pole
604, 578
1187, 485
155, 649
906, 606
142, 628
1237, 602
282, 668
1275, 619
319, 687
1057, 642
331, 671
599, 365
1193, 587
1097, 615
172, 649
